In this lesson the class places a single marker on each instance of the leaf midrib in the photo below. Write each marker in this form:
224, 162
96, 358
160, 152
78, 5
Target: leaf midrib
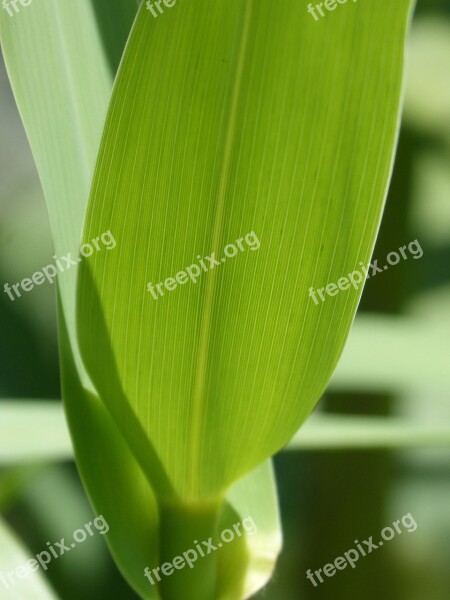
206, 319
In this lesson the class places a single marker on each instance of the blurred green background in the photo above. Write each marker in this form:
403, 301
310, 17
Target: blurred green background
396, 364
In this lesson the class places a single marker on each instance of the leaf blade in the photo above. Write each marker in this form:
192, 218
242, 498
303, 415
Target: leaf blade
166, 106
62, 84
12, 555
33, 431
324, 432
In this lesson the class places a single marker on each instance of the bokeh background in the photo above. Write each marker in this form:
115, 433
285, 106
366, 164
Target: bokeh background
397, 364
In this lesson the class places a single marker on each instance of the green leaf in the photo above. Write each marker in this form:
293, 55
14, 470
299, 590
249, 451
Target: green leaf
114, 480
95, 421
62, 84
136, 535
226, 119
52, 441
334, 432
13, 555
58, 506
33, 431
78, 79
387, 354
254, 496
427, 93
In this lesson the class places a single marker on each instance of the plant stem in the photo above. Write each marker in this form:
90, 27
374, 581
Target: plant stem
194, 570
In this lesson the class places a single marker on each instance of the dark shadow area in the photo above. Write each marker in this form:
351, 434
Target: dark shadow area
114, 19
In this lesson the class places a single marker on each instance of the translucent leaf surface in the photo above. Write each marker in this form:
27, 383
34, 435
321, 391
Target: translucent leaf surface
226, 120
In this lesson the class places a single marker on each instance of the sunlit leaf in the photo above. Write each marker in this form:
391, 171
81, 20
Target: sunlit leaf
62, 84
227, 119
65, 157
221, 125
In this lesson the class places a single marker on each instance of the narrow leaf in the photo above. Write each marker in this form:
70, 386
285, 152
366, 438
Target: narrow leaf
13, 555
387, 354
334, 432
33, 431
62, 83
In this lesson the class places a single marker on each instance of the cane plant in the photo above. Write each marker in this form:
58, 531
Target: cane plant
179, 134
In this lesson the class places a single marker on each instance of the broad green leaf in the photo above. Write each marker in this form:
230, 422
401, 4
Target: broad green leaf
13, 555
334, 432
229, 119
68, 103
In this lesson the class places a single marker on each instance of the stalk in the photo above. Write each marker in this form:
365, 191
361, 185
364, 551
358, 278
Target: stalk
185, 526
